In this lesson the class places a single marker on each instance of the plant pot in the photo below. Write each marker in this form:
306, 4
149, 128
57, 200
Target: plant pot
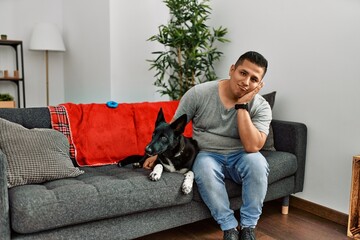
7, 104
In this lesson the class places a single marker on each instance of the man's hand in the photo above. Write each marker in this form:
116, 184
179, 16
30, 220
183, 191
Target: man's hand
149, 162
251, 94
251, 138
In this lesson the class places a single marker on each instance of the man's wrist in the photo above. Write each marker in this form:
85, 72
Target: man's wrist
242, 106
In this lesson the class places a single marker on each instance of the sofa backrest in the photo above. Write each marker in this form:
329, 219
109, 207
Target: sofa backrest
28, 117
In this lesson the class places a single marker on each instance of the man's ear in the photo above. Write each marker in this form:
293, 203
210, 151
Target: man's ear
179, 124
232, 69
160, 117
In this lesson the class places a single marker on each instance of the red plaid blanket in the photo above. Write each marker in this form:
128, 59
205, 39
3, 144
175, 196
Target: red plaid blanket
60, 122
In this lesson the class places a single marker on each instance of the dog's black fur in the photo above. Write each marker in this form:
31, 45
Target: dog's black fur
175, 152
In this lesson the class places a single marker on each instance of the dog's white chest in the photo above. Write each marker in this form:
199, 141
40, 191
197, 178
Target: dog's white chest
171, 168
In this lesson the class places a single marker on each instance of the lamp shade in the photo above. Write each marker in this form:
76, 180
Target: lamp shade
46, 36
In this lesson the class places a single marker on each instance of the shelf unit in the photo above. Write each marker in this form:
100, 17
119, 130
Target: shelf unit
19, 80
354, 209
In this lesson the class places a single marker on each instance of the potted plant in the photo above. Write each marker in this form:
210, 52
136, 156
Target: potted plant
189, 48
6, 100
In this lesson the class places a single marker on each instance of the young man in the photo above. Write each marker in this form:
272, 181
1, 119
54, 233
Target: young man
230, 123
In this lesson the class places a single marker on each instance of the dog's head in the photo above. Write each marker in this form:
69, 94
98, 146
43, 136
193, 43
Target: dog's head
166, 136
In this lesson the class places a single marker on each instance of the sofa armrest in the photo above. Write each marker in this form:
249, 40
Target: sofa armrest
292, 137
4, 200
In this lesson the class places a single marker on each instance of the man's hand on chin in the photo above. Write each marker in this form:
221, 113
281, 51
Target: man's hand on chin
251, 94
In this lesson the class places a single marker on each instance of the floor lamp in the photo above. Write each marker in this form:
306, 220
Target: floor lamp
46, 37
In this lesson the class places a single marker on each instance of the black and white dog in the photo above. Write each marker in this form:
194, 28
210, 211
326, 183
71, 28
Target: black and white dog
175, 153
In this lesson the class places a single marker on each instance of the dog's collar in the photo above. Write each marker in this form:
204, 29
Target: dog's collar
179, 148
182, 147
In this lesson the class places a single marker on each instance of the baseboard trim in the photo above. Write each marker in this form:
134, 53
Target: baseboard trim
318, 210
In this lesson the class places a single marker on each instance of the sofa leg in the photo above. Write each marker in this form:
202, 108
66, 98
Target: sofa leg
285, 205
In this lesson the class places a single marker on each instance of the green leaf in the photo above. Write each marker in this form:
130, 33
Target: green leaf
189, 54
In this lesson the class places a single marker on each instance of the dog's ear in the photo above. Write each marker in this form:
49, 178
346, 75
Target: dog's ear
160, 117
179, 124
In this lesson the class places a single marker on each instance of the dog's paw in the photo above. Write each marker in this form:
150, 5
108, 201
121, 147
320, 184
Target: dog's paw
187, 188
155, 175
188, 182
136, 165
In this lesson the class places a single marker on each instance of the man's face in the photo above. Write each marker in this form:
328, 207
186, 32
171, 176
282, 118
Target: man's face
245, 78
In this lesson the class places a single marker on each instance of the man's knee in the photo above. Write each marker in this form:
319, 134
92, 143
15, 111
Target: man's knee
204, 162
255, 164
206, 167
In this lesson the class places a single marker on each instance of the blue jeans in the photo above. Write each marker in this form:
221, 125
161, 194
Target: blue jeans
248, 169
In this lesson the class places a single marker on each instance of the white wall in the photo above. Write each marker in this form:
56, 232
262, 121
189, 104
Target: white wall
312, 48
87, 60
131, 26
107, 49
17, 19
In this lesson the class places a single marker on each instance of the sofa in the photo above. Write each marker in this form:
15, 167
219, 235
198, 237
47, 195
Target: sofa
105, 201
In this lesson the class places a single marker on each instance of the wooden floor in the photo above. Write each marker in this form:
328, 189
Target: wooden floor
297, 225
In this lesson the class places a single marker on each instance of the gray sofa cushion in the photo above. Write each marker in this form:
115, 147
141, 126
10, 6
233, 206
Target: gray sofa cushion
99, 193
281, 164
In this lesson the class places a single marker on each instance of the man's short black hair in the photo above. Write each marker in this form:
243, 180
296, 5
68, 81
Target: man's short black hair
255, 58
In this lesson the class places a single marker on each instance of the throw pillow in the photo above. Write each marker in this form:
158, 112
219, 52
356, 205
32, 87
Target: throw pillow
35, 155
270, 98
269, 143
